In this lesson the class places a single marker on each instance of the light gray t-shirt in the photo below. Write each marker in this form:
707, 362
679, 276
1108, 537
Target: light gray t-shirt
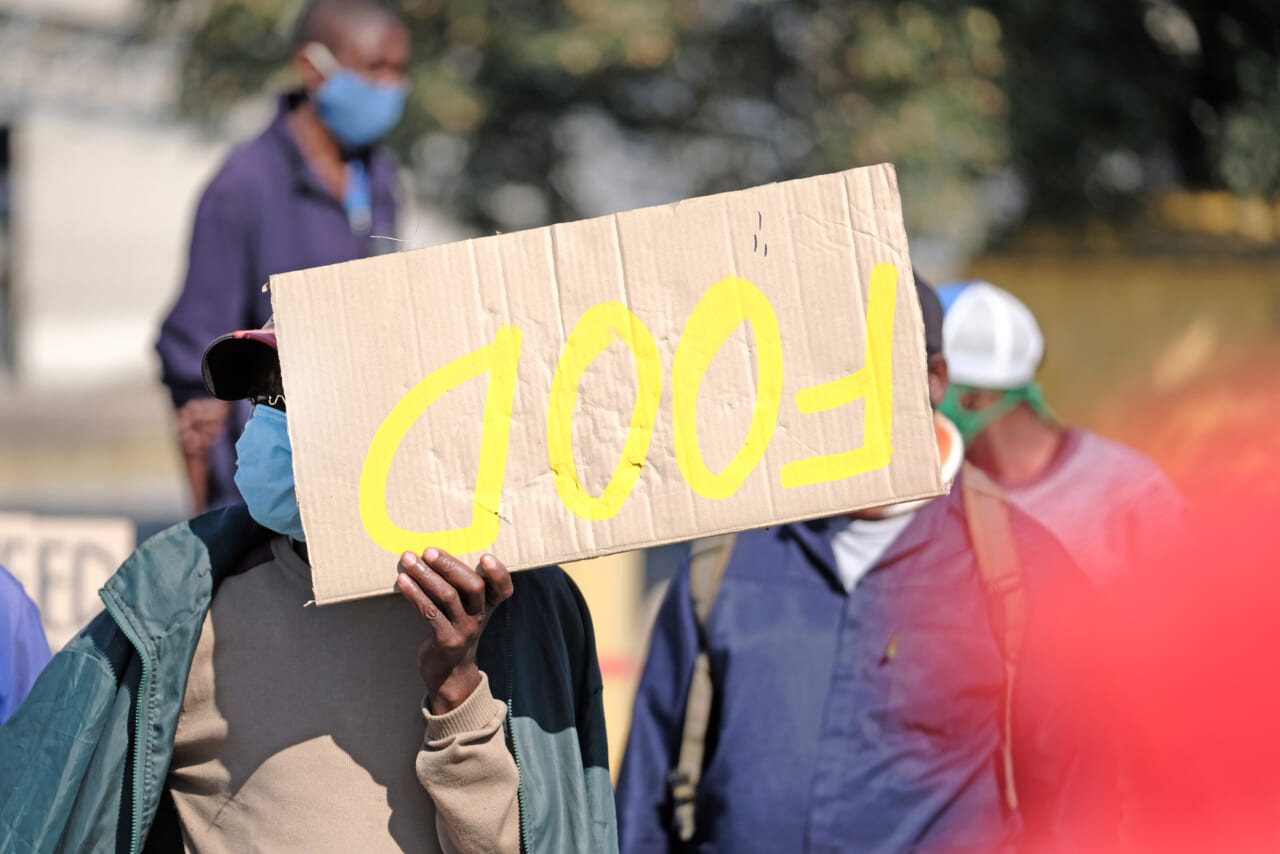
1110, 506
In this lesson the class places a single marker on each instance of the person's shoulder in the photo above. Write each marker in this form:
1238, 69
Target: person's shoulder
546, 611
9, 585
770, 533
1129, 468
1104, 451
765, 543
545, 578
248, 169
1030, 533
1042, 556
13, 596
185, 561
1038, 549
548, 589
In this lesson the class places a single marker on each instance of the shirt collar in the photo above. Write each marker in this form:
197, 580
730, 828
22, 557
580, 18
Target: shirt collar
924, 527
815, 535
303, 178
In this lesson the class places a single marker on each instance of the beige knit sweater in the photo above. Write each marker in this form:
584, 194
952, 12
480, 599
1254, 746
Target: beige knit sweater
302, 729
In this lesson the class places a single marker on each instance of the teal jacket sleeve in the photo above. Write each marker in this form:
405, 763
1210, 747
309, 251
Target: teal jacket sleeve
592, 738
63, 754
540, 654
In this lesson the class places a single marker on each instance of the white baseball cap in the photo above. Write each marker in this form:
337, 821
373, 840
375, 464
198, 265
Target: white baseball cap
991, 340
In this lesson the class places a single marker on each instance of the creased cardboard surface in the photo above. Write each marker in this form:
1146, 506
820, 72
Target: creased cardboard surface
587, 388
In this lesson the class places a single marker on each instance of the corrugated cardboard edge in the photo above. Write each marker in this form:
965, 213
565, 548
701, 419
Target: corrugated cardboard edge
588, 555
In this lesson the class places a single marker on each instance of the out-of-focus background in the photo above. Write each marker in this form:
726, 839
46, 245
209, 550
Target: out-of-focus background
1114, 163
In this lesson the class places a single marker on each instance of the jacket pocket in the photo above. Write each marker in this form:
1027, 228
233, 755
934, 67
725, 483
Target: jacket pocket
940, 682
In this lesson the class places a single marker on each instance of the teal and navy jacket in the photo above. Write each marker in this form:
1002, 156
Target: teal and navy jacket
83, 762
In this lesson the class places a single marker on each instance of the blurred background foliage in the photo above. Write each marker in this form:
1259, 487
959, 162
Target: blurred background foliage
525, 112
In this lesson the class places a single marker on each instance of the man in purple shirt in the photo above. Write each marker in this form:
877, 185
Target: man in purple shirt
313, 189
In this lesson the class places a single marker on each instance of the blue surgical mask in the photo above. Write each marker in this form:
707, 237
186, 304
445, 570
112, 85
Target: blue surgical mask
264, 472
356, 110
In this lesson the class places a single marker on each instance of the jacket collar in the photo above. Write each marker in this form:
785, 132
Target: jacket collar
380, 167
924, 529
167, 584
158, 599
815, 535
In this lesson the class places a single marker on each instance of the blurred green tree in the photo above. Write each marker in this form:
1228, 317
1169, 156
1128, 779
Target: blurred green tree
532, 111
1111, 99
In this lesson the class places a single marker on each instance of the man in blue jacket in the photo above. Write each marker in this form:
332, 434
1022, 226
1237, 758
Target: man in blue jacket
313, 189
859, 692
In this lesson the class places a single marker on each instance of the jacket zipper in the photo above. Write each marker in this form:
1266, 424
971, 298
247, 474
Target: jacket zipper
105, 659
511, 731
135, 825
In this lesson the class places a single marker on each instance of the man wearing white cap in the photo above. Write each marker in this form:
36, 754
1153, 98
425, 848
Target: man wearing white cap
1108, 504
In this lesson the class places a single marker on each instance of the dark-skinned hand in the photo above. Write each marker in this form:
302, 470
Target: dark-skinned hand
455, 601
200, 424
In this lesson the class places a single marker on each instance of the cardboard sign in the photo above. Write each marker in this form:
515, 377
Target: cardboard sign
722, 363
62, 562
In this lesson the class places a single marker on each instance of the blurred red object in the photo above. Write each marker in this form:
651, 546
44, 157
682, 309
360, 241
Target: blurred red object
1180, 671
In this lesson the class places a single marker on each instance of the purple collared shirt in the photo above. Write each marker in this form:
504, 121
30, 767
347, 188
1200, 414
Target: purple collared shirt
265, 212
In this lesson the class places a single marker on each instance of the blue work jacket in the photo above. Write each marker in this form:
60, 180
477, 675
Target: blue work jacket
867, 722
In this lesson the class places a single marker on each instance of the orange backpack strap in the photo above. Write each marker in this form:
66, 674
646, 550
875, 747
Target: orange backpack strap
707, 561
986, 510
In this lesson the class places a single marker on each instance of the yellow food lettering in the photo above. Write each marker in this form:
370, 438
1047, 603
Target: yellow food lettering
723, 308
599, 327
873, 381
500, 359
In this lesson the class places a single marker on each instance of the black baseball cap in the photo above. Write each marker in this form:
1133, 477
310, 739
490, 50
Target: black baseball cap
243, 364
931, 308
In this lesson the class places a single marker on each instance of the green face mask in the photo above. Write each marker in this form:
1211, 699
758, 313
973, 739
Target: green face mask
970, 422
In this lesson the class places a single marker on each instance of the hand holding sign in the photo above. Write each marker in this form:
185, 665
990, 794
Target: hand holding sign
455, 601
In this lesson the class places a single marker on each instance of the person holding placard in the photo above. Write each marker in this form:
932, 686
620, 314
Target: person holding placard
214, 707
882, 683
313, 189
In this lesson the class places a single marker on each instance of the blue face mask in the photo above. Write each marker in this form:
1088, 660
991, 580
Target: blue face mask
358, 111
264, 472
